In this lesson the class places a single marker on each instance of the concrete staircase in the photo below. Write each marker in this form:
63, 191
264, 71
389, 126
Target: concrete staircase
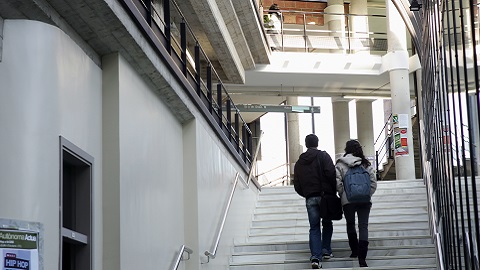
398, 229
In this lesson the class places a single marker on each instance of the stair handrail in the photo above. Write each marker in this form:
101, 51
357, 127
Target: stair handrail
254, 162
212, 254
384, 147
183, 249
383, 129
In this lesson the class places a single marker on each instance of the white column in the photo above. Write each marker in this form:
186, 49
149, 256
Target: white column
341, 126
365, 128
358, 24
295, 143
336, 23
396, 61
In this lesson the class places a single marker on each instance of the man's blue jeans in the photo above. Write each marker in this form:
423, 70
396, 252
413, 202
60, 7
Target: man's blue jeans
317, 247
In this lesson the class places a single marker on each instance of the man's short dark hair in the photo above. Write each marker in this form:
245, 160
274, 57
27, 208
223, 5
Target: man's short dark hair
311, 141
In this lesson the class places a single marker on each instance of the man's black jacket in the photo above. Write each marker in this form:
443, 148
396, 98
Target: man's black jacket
312, 177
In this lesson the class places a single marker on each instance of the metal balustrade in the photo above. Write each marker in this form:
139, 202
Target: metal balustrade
165, 27
299, 31
451, 110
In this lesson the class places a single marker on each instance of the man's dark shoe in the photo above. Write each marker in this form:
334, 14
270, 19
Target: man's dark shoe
316, 264
327, 256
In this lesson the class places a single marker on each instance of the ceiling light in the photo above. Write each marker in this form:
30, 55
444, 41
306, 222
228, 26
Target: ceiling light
365, 97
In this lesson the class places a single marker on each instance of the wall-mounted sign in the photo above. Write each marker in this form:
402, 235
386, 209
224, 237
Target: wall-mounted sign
18, 249
400, 126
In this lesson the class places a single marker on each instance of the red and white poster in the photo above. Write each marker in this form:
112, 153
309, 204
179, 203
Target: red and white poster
400, 126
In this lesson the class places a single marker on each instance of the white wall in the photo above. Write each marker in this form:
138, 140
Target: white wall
174, 180
215, 177
48, 88
151, 178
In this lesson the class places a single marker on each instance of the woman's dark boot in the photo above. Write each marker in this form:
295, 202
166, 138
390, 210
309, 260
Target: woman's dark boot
353, 243
362, 253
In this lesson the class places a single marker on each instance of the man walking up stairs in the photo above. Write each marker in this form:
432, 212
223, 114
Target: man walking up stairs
399, 232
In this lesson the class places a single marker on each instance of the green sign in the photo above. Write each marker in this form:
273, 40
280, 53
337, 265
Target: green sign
18, 239
277, 108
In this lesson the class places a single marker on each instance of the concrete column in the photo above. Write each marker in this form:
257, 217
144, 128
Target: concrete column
397, 63
365, 128
295, 143
359, 24
336, 23
341, 126
190, 194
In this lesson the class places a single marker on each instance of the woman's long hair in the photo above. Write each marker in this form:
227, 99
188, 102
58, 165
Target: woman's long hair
353, 147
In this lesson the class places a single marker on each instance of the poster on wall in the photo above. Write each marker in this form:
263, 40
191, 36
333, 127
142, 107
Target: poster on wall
18, 249
400, 126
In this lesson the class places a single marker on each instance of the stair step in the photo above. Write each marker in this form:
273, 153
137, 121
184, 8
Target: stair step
303, 235
381, 185
345, 252
379, 193
299, 214
307, 266
302, 263
399, 198
243, 246
340, 227
399, 232
300, 204
373, 219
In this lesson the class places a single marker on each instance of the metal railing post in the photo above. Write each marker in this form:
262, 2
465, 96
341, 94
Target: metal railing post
183, 46
209, 88
148, 5
229, 119
197, 68
390, 155
244, 140
166, 19
219, 103
237, 131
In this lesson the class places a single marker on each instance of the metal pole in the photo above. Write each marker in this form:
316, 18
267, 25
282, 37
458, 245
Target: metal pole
313, 116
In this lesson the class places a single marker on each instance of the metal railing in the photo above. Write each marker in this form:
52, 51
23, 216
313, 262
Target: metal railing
179, 258
300, 31
169, 33
213, 253
384, 149
450, 99
279, 177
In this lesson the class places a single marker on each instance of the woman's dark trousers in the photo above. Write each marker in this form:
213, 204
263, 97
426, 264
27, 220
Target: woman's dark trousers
359, 248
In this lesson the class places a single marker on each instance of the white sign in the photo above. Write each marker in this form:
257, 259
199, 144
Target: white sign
18, 250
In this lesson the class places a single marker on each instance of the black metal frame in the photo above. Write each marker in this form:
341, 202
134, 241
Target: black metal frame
446, 85
191, 74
